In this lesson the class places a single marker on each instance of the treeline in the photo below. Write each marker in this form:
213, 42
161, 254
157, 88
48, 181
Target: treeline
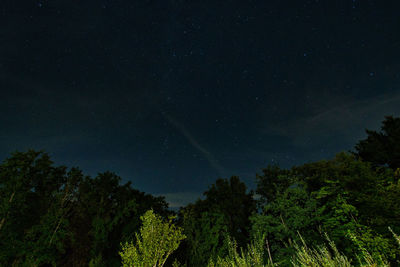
55, 216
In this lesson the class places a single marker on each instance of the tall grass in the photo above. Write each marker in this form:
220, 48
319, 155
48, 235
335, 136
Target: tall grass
396, 237
253, 256
325, 256
257, 254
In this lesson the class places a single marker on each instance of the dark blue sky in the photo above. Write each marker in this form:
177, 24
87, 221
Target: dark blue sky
173, 94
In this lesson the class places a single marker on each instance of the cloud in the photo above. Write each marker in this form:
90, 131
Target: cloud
210, 157
342, 118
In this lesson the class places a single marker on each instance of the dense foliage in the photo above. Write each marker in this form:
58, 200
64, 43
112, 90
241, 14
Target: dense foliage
339, 212
382, 148
224, 212
51, 215
155, 243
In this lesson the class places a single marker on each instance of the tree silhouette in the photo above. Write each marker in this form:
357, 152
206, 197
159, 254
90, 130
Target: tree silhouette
382, 148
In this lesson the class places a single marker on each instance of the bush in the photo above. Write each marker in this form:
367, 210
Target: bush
155, 243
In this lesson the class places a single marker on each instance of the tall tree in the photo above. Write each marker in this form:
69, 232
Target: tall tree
231, 198
335, 196
272, 181
105, 214
51, 216
206, 232
382, 148
33, 207
224, 211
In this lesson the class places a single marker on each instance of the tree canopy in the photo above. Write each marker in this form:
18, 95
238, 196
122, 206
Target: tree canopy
334, 211
382, 148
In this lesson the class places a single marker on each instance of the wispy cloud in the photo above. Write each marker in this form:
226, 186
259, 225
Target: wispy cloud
207, 154
344, 118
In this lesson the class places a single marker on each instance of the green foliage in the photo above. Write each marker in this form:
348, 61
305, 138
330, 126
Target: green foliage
320, 256
105, 214
292, 211
230, 198
272, 182
396, 237
364, 257
97, 262
54, 216
35, 201
155, 243
382, 148
205, 233
224, 211
253, 256
336, 196
330, 256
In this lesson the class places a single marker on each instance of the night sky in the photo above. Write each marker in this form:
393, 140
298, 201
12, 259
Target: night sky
174, 94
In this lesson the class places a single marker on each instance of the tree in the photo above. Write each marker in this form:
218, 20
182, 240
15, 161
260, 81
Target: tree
231, 199
154, 244
272, 181
205, 232
48, 240
382, 148
53, 216
105, 214
370, 190
293, 210
336, 196
225, 211
33, 206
